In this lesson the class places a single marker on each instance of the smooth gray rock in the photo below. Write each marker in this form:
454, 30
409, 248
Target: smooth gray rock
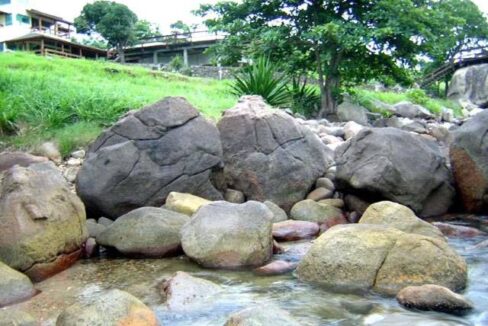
279, 215
234, 196
432, 297
407, 109
471, 84
469, 160
165, 147
185, 293
312, 211
14, 286
268, 155
146, 231
226, 235
387, 163
110, 308
348, 111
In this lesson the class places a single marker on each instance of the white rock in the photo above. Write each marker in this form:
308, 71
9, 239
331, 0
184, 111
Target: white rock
351, 129
78, 154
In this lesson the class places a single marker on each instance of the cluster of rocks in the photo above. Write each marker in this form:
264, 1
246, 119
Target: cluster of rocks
168, 182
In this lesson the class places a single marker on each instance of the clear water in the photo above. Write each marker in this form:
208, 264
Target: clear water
308, 304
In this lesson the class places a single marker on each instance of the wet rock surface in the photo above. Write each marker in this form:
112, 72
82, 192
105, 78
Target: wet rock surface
42, 221
226, 235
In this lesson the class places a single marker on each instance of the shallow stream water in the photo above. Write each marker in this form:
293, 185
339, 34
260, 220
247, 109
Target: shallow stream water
310, 305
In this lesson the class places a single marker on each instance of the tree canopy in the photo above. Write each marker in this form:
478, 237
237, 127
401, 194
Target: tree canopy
113, 21
341, 42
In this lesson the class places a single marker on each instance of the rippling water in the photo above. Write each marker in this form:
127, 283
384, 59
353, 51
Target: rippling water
310, 305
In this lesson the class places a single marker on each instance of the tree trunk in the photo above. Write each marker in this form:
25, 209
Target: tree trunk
121, 53
328, 85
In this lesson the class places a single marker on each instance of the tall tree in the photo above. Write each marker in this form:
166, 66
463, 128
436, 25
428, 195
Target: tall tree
338, 41
145, 29
113, 21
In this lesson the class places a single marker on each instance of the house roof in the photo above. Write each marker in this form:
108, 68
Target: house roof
35, 36
43, 14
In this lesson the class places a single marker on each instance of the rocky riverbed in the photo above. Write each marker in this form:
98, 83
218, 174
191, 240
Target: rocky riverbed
184, 216
310, 305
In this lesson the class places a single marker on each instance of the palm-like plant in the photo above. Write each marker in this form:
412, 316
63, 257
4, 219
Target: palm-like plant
305, 99
263, 78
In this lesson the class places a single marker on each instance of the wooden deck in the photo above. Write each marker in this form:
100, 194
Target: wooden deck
465, 58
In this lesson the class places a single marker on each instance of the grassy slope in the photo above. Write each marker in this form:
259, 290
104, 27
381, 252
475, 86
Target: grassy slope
70, 101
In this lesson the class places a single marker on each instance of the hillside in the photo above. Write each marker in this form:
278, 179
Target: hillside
70, 101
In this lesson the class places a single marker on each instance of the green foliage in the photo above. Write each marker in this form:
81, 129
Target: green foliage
263, 78
341, 42
305, 99
176, 63
113, 21
69, 100
180, 27
417, 96
145, 29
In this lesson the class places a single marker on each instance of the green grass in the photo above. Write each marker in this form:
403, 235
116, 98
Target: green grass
70, 101
367, 98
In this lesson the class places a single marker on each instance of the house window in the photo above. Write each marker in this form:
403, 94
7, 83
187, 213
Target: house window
5, 2
8, 19
23, 19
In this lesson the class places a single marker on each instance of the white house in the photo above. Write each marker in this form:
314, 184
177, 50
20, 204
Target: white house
28, 29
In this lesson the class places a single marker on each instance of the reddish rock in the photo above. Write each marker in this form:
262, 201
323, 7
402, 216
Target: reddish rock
295, 230
453, 230
333, 221
9, 159
277, 267
320, 193
42, 271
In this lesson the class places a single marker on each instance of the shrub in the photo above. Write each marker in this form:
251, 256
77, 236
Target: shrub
305, 99
176, 64
418, 96
263, 78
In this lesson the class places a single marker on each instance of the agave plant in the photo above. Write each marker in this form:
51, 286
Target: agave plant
305, 99
263, 78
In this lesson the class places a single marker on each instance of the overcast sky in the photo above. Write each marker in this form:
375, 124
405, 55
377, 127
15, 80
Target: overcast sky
161, 12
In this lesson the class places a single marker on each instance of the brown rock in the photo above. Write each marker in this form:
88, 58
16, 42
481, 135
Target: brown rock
354, 203
453, 230
333, 222
433, 297
320, 193
336, 202
295, 230
9, 159
277, 267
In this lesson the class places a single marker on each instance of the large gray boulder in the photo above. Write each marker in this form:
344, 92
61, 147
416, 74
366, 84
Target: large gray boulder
146, 231
268, 155
471, 84
165, 147
469, 160
361, 257
408, 109
42, 223
109, 308
387, 163
348, 111
226, 235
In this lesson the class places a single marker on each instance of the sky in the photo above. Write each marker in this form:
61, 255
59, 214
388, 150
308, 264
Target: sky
161, 12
